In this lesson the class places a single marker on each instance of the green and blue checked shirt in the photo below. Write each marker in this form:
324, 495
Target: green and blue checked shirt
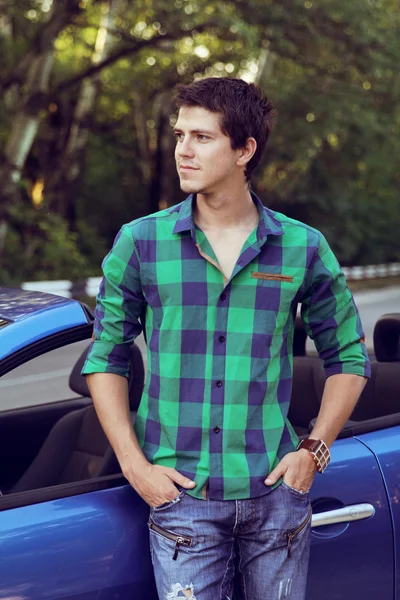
220, 356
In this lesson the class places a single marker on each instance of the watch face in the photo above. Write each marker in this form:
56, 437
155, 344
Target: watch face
324, 456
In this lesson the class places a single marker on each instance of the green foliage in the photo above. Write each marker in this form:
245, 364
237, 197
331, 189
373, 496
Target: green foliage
40, 247
111, 192
332, 160
330, 67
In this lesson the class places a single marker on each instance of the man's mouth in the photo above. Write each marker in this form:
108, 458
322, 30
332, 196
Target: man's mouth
187, 168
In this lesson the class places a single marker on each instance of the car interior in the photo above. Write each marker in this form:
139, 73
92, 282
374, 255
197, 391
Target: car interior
59, 449
380, 398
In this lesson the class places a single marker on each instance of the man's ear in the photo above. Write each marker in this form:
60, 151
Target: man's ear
246, 153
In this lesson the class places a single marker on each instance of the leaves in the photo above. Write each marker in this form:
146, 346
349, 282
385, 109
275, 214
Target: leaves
330, 67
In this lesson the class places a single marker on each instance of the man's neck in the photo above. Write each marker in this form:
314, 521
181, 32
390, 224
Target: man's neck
223, 211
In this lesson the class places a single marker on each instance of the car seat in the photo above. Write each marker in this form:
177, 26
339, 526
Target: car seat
381, 395
76, 447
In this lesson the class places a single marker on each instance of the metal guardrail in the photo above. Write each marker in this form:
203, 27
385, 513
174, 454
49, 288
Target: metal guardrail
68, 289
371, 271
89, 287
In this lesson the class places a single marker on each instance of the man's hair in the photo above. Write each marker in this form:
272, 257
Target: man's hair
245, 109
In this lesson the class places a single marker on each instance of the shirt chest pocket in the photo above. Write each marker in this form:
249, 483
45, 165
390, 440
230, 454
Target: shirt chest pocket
274, 291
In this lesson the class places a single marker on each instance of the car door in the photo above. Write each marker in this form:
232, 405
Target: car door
84, 546
95, 545
352, 534
385, 444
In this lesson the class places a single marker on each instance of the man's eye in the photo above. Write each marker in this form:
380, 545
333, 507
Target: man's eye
179, 136
203, 138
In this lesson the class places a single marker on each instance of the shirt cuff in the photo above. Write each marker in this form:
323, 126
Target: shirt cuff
361, 369
107, 357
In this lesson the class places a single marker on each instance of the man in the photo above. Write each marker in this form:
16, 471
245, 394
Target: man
215, 281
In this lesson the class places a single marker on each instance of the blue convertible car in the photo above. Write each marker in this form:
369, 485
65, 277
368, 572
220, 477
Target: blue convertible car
71, 526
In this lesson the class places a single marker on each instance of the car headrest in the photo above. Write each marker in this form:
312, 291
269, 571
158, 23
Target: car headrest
387, 338
77, 382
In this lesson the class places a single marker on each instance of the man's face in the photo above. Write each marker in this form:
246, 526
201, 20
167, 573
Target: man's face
204, 157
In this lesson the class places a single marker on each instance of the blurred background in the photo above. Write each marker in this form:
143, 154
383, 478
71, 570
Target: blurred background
86, 112
86, 140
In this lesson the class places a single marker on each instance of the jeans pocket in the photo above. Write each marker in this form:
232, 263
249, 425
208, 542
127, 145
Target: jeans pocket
166, 505
292, 534
293, 491
176, 538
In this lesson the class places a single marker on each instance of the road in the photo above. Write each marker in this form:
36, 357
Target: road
45, 379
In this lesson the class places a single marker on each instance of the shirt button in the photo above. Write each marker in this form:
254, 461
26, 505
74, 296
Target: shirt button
221, 338
223, 296
219, 384
217, 429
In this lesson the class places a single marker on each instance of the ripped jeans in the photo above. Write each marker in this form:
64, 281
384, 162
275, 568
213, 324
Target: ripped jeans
255, 549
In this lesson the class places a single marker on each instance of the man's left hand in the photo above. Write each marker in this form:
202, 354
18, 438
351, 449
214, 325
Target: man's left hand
297, 469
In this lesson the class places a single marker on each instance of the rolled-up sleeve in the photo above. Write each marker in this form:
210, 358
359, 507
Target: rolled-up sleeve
331, 318
118, 307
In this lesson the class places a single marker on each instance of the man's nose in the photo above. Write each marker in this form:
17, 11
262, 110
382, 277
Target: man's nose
184, 147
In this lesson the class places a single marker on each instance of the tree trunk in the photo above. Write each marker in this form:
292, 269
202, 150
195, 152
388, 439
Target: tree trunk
10, 96
60, 189
142, 136
38, 65
157, 167
162, 161
169, 178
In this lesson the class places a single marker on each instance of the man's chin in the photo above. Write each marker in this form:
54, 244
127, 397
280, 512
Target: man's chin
189, 188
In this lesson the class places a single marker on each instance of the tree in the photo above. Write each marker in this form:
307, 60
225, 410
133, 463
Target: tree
31, 73
99, 150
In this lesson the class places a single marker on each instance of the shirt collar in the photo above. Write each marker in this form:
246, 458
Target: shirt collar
185, 221
268, 224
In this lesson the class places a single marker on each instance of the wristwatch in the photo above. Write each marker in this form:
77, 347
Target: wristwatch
319, 451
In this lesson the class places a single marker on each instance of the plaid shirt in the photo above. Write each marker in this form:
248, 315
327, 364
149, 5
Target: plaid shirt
220, 356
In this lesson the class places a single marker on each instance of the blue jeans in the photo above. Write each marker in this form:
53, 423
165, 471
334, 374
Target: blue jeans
255, 549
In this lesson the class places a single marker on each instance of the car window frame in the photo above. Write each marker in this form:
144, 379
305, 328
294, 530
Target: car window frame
47, 344
63, 490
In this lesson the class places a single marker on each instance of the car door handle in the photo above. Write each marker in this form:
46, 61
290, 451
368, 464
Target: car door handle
356, 512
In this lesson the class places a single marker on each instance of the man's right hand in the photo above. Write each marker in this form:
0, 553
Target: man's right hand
155, 484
